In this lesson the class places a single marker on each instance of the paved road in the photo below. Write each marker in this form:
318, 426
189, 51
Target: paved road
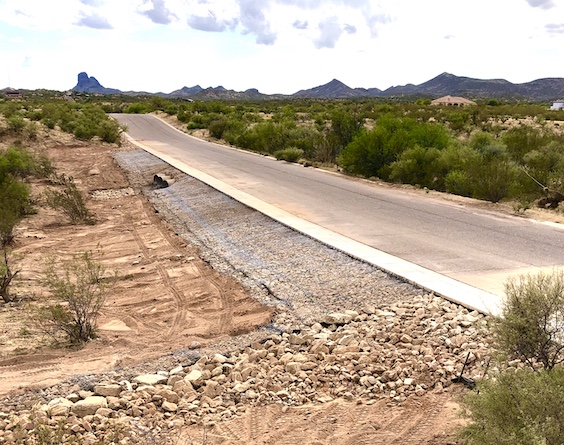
477, 247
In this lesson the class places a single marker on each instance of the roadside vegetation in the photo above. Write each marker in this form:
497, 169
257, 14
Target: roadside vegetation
78, 289
492, 151
520, 403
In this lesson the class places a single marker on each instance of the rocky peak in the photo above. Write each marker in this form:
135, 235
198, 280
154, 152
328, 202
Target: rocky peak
88, 84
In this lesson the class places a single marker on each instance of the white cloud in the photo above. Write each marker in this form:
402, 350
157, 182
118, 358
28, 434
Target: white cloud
94, 21
159, 13
329, 33
255, 22
92, 2
543, 4
301, 24
210, 23
554, 28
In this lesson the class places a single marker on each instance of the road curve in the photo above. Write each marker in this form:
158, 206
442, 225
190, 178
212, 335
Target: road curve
477, 247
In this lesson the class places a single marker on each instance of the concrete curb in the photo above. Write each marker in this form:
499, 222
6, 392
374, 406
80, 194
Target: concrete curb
448, 288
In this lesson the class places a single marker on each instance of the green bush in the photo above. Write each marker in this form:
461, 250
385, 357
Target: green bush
418, 166
109, 131
82, 289
70, 201
531, 326
372, 152
14, 205
138, 108
517, 408
458, 182
291, 154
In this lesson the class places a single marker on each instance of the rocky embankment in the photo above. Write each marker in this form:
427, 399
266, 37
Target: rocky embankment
393, 352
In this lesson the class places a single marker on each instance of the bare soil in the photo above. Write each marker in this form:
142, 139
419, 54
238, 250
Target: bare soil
167, 298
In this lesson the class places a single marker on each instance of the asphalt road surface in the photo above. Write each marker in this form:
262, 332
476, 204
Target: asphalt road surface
478, 247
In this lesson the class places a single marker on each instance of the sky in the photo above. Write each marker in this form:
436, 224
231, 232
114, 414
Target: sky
276, 46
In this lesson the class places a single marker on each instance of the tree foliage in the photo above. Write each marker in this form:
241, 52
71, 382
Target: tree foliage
531, 326
517, 408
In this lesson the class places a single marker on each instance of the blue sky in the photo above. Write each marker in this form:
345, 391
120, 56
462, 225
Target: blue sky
277, 46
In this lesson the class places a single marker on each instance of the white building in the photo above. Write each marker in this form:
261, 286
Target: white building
558, 105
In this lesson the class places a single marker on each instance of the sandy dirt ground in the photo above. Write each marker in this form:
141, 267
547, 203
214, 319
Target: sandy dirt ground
165, 299
429, 420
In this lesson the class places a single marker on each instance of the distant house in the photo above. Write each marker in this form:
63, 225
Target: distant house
452, 101
558, 105
10, 93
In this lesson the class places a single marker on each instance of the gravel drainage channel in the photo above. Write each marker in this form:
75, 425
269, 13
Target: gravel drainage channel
302, 278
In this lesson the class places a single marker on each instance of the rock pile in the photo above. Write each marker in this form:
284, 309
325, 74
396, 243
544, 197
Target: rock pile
395, 352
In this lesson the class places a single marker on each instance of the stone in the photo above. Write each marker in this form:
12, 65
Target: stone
113, 390
169, 407
89, 406
336, 318
150, 379
195, 378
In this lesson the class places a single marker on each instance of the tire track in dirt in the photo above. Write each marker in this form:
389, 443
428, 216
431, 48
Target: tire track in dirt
178, 297
225, 319
345, 423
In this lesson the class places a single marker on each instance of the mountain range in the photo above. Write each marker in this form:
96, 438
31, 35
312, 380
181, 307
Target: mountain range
548, 89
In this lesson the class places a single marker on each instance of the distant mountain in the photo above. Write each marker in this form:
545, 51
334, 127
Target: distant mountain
221, 93
546, 90
449, 84
184, 92
91, 85
332, 90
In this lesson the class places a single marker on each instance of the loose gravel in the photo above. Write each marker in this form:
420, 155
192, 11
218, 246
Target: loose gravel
302, 278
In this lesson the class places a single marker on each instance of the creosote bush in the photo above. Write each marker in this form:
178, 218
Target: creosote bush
291, 154
531, 327
523, 405
517, 408
81, 286
70, 201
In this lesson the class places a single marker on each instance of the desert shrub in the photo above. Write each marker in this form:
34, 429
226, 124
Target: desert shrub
81, 287
493, 179
14, 205
138, 108
531, 326
517, 408
17, 162
492, 173
458, 182
217, 127
326, 148
197, 122
84, 131
418, 166
372, 152
458, 121
291, 154
522, 139
6, 275
184, 116
109, 131
269, 137
69, 201
16, 123
345, 125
